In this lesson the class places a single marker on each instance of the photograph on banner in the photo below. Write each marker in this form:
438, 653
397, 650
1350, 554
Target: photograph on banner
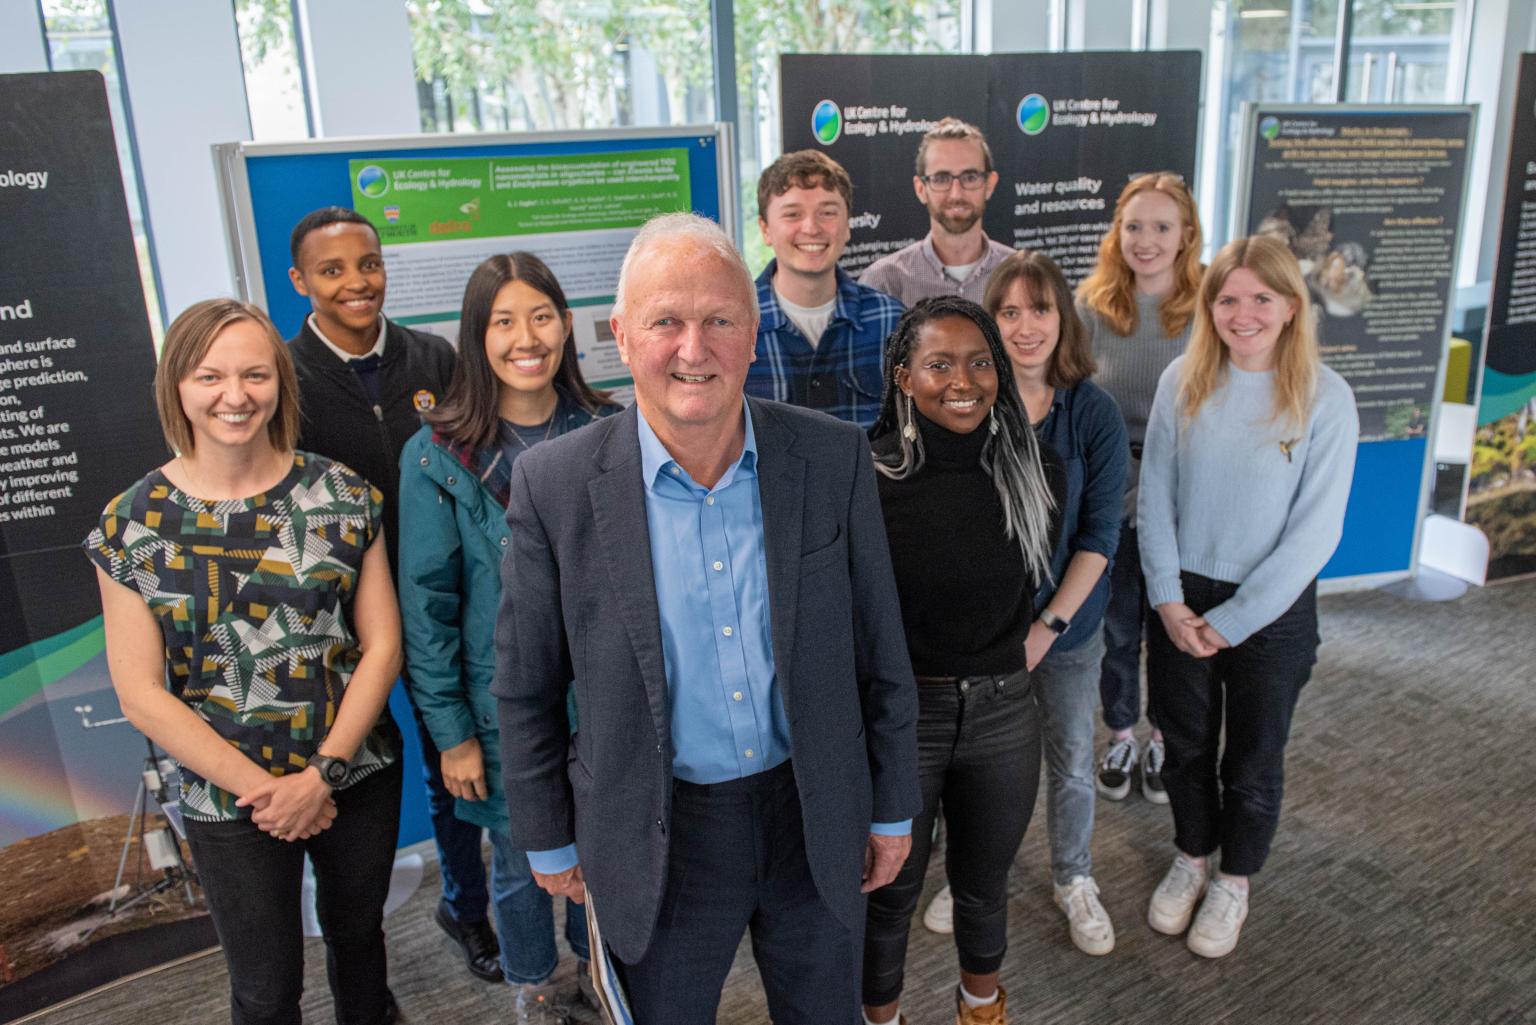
1369, 200
1502, 497
439, 217
1066, 131
97, 880
869, 113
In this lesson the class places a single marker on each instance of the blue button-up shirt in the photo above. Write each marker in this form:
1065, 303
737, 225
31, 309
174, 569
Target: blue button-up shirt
841, 374
711, 574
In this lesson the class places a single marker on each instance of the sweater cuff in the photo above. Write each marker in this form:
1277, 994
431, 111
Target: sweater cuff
1161, 592
1222, 620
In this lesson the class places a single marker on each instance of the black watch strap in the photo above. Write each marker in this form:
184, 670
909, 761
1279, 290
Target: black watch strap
1057, 625
332, 770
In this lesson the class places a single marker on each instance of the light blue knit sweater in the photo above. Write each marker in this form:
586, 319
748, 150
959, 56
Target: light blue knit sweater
1236, 496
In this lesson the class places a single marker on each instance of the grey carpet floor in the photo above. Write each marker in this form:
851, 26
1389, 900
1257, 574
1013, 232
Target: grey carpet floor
1402, 887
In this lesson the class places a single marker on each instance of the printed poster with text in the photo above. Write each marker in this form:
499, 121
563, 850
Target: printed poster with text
1066, 130
438, 217
1502, 498
1369, 199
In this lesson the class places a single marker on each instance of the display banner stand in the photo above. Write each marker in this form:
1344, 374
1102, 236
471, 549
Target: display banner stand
1067, 132
1369, 199
95, 881
1502, 498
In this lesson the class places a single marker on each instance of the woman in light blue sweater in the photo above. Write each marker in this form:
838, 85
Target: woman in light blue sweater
1245, 475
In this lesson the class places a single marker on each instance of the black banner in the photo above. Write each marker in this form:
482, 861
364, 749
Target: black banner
1502, 496
1067, 131
1369, 200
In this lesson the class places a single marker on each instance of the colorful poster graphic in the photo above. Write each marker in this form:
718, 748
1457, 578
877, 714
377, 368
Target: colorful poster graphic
1502, 497
77, 425
1067, 131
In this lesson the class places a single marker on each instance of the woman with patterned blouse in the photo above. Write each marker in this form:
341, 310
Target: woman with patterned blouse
253, 633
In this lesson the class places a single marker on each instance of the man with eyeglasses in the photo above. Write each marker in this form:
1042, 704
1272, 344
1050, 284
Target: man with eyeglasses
954, 180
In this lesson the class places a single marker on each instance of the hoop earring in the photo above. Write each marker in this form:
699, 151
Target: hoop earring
909, 429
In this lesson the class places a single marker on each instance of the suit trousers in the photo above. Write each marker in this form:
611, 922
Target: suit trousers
252, 882
737, 861
1228, 797
978, 754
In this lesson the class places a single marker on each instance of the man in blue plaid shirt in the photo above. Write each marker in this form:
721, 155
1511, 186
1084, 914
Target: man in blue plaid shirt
822, 334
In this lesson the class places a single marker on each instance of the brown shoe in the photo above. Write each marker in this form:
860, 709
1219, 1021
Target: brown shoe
991, 1014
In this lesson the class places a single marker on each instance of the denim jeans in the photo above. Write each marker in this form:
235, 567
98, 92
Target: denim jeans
1248, 693
252, 882
1125, 621
525, 919
978, 753
1066, 693
460, 868
736, 862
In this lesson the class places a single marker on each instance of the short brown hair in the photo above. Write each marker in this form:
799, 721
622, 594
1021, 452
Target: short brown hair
1072, 360
952, 128
802, 169
187, 342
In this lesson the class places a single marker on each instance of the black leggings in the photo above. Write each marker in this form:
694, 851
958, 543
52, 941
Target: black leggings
978, 750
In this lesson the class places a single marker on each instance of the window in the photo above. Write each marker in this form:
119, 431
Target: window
274, 85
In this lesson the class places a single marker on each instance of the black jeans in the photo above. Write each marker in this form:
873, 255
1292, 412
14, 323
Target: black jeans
737, 861
978, 752
252, 883
1232, 803
1125, 617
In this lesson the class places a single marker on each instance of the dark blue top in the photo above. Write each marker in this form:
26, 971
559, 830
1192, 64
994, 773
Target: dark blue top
1086, 428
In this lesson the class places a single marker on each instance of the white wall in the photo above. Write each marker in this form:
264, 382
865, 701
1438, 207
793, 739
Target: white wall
186, 91
22, 44
357, 56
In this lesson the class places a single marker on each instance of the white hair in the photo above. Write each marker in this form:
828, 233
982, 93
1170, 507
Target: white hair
701, 231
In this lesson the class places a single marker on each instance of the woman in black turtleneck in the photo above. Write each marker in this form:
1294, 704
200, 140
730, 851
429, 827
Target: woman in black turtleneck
971, 502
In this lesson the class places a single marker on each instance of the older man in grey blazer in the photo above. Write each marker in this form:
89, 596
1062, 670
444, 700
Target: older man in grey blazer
712, 573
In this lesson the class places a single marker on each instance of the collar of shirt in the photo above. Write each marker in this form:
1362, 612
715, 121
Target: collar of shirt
772, 314
656, 461
343, 354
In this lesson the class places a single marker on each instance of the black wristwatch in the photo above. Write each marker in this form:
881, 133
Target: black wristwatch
1055, 623
332, 770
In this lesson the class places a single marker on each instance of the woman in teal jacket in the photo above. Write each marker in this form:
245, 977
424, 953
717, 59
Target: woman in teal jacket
516, 383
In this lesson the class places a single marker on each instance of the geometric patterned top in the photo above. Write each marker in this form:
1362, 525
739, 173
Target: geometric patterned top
254, 598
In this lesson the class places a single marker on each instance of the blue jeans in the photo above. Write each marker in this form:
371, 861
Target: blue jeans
1065, 691
252, 882
460, 869
525, 918
1125, 621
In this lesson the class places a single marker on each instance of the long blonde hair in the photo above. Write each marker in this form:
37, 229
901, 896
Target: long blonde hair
1296, 356
1111, 289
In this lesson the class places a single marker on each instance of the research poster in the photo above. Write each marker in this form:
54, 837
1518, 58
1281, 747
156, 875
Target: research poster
77, 426
1067, 132
1369, 200
574, 199
1502, 498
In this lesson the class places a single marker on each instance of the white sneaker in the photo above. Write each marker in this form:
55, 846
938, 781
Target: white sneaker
1091, 928
1173, 902
1113, 779
1221, 918
940, 916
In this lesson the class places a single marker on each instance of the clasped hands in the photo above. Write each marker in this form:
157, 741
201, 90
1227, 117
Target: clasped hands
292, 807
1190, 633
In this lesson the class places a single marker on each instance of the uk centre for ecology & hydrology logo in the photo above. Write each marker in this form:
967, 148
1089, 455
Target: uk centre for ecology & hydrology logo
1034, 114
372, 181
1269, 127
827, 122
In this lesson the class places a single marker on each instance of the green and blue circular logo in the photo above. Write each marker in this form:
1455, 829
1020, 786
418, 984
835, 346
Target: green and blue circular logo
827, 122
1269, 127
1034, 114
372, 181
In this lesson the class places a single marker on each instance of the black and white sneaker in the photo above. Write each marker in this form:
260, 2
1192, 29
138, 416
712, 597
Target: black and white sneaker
1114, 776
1152, 772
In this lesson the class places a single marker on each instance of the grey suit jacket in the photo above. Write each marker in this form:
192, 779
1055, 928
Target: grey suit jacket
579, 603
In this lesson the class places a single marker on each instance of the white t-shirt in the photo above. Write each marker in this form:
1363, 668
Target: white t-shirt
811, 320
960, 271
